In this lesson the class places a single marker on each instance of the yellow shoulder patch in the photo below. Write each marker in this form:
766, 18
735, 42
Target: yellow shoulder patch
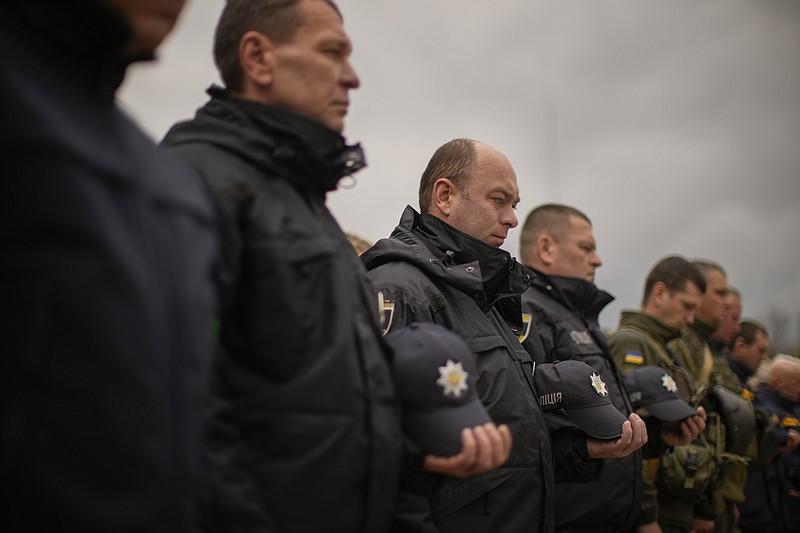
790, 421
526, 327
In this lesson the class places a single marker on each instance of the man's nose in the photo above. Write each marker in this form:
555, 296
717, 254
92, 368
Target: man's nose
510, 219
349, 77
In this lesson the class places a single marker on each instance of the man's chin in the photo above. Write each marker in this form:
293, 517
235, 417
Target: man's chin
335, 123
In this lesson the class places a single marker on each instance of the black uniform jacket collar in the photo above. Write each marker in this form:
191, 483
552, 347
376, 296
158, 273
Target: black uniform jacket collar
488, 274
576, 294
281, 143
82, 41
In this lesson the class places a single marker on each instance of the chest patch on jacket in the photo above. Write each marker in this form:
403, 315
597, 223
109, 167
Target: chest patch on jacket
581, 337
387, 314
526, 327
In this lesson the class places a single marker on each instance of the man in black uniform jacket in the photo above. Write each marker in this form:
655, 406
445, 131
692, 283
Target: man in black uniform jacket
445, 265
562, 307
303, 431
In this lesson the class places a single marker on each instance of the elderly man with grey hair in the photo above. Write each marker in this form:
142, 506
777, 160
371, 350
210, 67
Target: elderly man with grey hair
772, 503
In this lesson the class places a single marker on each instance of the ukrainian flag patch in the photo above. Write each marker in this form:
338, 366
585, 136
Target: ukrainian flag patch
634, 358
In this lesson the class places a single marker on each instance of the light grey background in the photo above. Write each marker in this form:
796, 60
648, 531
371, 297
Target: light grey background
674, 124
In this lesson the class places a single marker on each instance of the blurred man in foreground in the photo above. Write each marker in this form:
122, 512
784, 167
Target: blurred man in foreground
106, 296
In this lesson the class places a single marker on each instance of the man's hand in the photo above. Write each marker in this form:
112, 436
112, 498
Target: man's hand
634, 436
700, 525
792, 441
652, 527
682, 432
483, 448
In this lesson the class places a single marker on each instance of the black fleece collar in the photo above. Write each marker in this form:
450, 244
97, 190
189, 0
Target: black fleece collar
299, 149
576, 294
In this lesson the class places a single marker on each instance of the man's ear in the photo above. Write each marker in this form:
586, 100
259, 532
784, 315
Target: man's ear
659, 293
257, 58
546, 249
738, 344
442, 196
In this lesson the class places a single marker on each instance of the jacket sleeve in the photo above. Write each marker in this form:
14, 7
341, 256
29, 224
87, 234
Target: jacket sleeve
571, 461
413, 512
629, 351
230, 500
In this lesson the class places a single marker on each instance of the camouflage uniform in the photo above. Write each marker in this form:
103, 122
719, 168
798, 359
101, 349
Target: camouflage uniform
710, 367
642, 340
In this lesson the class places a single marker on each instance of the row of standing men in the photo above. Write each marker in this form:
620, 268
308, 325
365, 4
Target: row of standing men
125, 292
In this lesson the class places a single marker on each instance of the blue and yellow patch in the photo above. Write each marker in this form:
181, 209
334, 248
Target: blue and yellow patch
634, 358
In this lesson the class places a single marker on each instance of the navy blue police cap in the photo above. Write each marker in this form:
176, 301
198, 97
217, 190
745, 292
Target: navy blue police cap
653, 388
581, 392
434, 374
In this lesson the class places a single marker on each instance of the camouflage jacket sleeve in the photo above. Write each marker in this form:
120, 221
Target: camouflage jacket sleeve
630, 351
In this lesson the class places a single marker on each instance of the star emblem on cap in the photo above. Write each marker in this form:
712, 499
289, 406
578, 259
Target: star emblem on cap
669, 383
599, 385
452, 378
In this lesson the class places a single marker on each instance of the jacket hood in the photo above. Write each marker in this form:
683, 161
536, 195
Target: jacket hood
484, 272
576, 294
274, 139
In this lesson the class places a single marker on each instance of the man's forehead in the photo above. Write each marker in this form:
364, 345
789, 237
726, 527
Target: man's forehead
317, 16
690, 291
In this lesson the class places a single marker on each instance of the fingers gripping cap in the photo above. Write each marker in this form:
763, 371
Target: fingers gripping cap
581, 392
434, 374
653, 388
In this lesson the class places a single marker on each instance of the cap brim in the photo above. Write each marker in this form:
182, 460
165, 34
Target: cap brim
598, 421
438, 432
671, 410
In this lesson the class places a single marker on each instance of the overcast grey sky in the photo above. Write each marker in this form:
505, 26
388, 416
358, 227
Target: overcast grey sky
674, 124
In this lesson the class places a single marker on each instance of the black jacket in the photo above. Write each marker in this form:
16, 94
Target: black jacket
771, 503
431, 272
303, 434
106, 292
564, 326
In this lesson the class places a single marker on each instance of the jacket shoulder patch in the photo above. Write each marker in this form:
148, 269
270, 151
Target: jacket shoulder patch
634, 358
387, 315
526, 327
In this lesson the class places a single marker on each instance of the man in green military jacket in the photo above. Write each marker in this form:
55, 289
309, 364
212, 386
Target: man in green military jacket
672, 294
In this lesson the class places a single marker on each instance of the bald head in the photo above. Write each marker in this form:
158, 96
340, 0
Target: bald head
473, 187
